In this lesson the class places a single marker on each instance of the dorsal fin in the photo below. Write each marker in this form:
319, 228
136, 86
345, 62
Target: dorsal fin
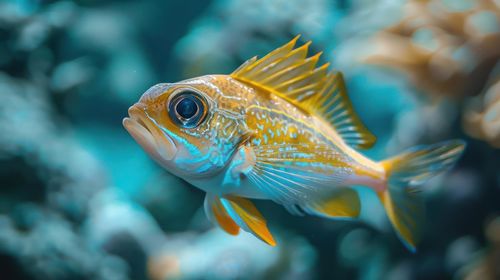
291, 75
333, 104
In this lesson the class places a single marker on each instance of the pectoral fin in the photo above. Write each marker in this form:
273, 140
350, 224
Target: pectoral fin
217, 214
232, 213
248, 218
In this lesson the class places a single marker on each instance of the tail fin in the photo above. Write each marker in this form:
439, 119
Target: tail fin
401, 199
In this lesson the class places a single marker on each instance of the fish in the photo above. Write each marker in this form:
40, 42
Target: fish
280, 128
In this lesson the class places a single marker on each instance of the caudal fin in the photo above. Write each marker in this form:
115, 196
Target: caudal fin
401, 199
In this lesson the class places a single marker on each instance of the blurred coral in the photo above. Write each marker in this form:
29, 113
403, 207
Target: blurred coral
212, 256
485, 122
232, 31
47, 177
447, 48
486, 264
80, 200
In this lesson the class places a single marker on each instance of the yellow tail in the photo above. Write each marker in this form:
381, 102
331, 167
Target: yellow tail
401, 199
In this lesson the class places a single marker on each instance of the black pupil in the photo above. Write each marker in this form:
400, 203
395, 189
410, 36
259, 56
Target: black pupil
186, 108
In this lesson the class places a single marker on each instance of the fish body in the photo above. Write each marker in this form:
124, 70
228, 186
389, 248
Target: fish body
270, 121
279, 128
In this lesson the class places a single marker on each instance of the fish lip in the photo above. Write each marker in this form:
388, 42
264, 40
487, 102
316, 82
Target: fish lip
145, 132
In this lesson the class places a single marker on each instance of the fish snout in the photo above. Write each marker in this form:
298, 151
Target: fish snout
146, 133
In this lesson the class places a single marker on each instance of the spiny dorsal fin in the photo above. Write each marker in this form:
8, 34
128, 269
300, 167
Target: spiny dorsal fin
333, 104
291, 75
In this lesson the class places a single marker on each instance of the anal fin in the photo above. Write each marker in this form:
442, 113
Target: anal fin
341, 204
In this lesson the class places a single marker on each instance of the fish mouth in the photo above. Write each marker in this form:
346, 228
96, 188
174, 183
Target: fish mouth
155, 142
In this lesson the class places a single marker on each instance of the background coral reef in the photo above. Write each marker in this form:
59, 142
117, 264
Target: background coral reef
80, 200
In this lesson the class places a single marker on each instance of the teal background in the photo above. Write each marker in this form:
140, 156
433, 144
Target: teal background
79, 199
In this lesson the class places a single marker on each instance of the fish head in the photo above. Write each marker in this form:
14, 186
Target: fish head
191, 128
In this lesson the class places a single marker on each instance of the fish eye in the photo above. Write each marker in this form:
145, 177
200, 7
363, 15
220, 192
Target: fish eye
187, 109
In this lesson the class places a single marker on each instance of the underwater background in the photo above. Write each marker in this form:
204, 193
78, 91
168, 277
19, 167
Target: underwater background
79, 199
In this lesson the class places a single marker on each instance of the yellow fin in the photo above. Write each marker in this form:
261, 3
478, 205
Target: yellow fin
405, 211
225, 222
344, 203
333, 105
288, 73
217, 214
248, 217
402, 202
